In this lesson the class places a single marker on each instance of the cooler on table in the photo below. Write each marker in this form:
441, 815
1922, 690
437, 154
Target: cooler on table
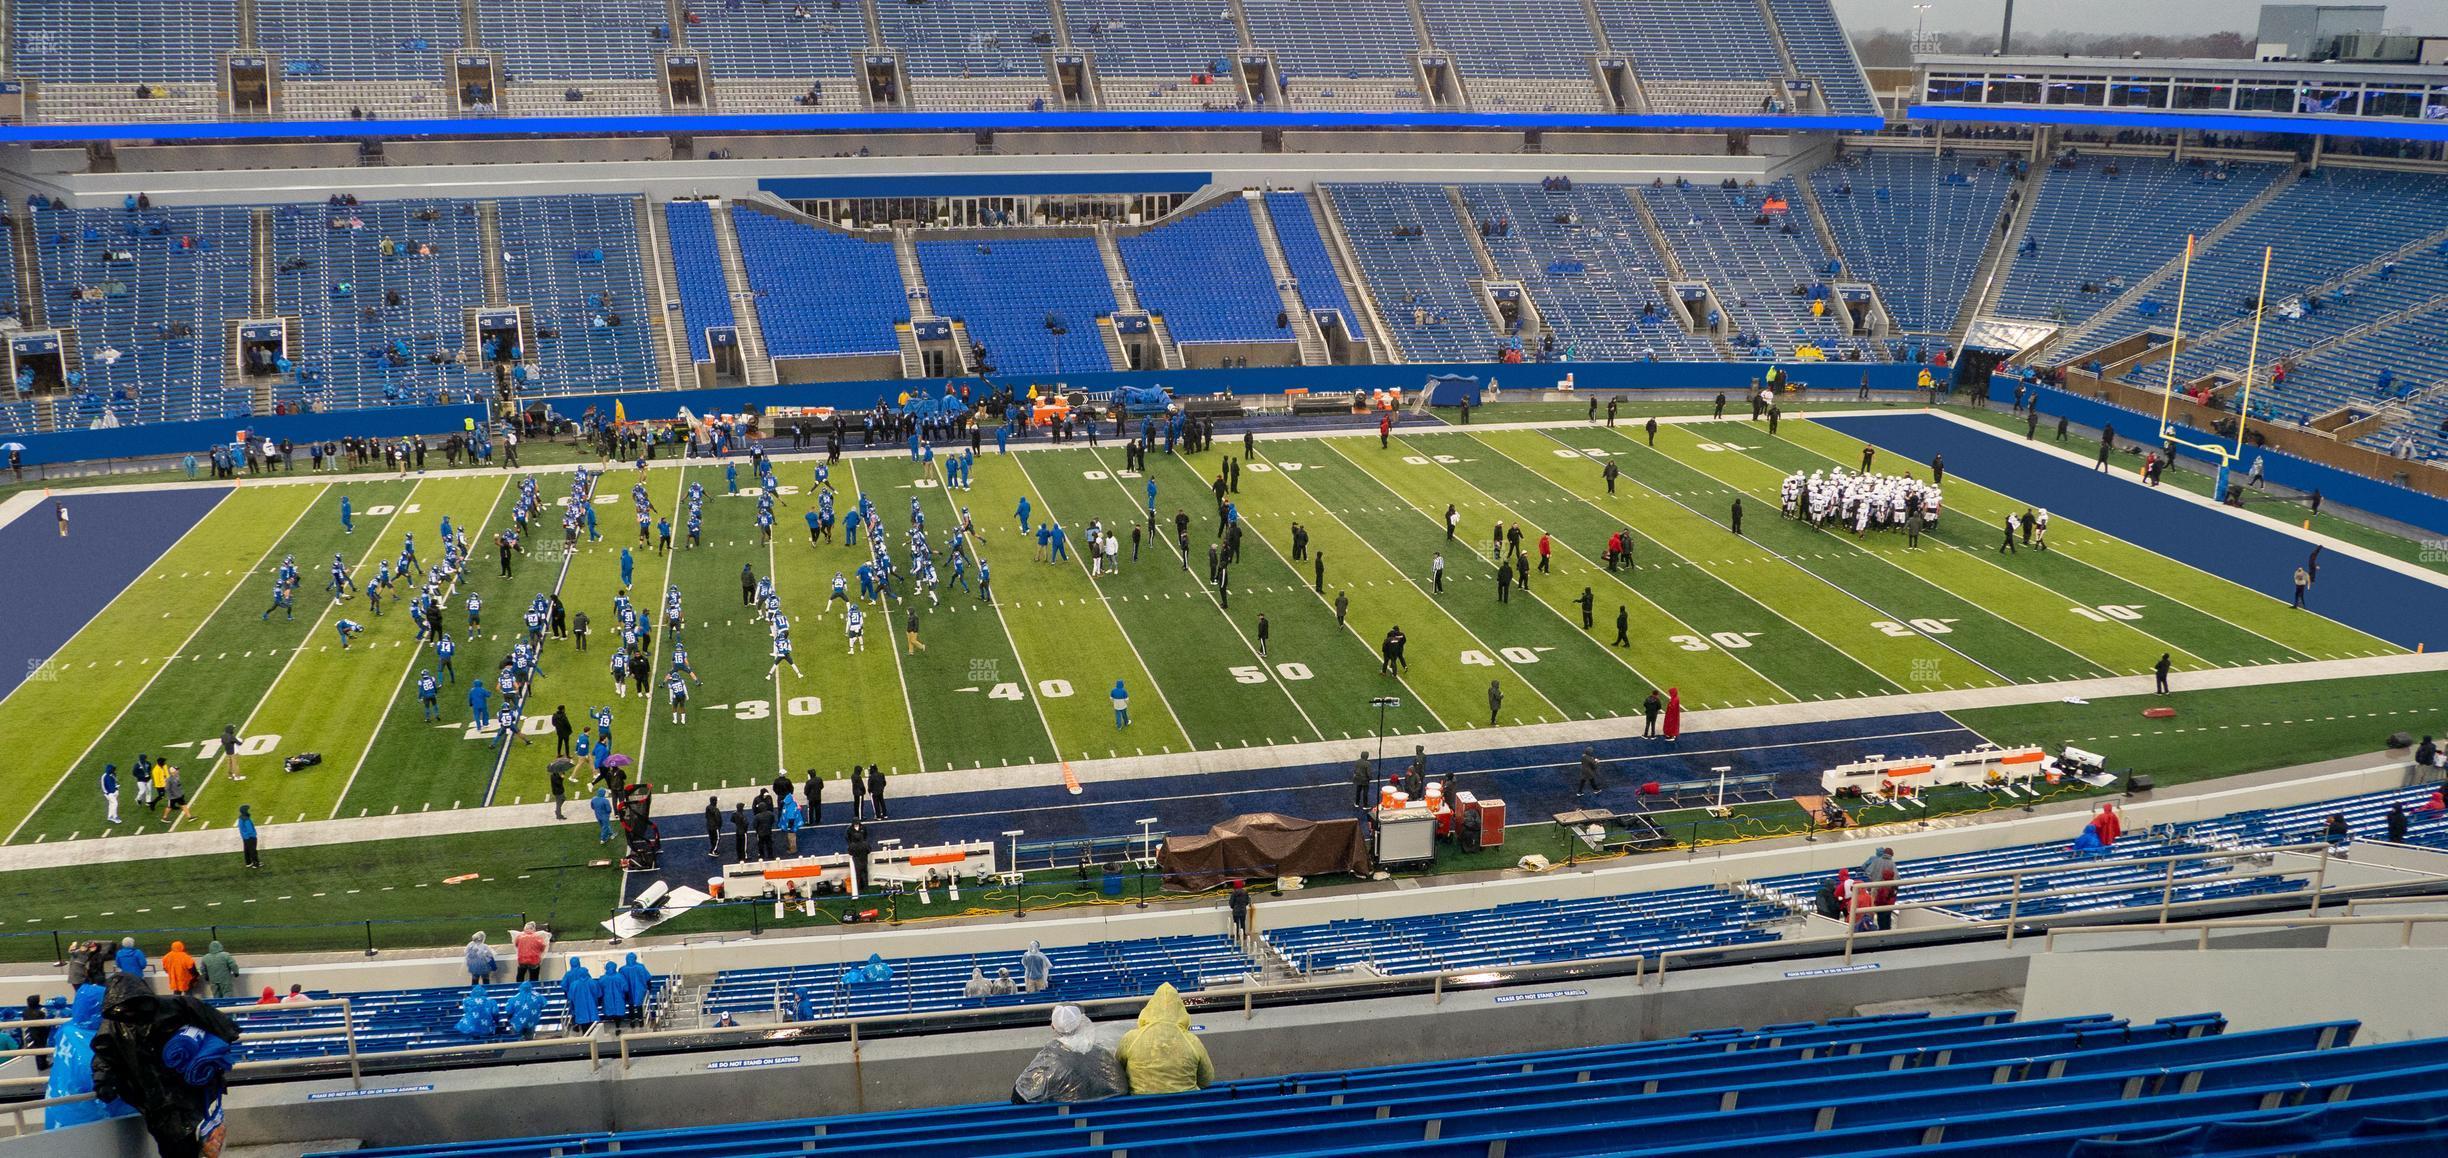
1491, 818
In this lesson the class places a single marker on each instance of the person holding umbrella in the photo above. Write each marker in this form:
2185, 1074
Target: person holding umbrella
559, 771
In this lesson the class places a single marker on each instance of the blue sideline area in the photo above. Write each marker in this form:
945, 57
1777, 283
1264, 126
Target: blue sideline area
1969, 1084
1534, 782
2399, 608
2363, 492
55, 585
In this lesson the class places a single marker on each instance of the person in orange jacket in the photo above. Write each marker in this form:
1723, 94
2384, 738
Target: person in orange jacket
179, 968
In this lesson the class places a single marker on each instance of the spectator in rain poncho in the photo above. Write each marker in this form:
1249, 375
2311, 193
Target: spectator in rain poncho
873, 971
526, 1009
168, 1057
2089, 843
1073, 1067
220, 971
578, 988
638, 982
477, 1016
72, 1065
129, 959
1161, 1056
978, 986
1002, 984
613, 994
1037, 968
479, 959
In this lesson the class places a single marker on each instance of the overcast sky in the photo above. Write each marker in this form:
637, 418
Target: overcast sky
2167, 17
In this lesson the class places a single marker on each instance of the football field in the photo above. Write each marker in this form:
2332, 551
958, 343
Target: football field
1781, 613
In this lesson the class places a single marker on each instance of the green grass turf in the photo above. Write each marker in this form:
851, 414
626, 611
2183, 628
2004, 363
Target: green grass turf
231, 665
1562, 490
2107, 644
2266, 614
1187, 633
1381, 598
2228, 731
967, 644
332, 700
319, 898
2091, 569
1577, 677
53, 721
2289, 512
1068, 639
1783, 613
1329, 671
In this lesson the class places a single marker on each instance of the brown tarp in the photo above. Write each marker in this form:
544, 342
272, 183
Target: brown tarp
1263, 845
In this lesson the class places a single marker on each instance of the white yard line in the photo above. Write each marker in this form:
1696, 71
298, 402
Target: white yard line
1100, 601
1037, 708
893, 645
1402, 576
113, 726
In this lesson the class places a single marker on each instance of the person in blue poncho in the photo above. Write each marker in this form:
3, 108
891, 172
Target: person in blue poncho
168, 1057
477, 1016
526, 1010
639, 981
578, 988
72, 1068
613, 995
129, 959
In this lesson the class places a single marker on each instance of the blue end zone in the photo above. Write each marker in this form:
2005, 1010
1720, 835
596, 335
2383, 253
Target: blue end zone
54, 586
2392, 605
1535, 783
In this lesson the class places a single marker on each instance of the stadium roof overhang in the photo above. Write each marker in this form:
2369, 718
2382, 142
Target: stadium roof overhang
2308, 125
900, 122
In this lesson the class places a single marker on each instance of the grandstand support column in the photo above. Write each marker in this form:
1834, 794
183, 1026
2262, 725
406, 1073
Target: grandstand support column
1776, 40
259, 289
1347, 268
1240, 19
667, 344
759, 367
1125, 294
1989, 280
1296, 310
29, 286
913, 275
1470, 230
1819, 223
488, 234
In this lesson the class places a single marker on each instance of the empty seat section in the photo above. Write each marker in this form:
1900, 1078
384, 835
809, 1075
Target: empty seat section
1158, 54
773, 41
383, 59
2105, 222
1304, 250
1416, 261
705, 296
354, 346
1354, 55
1915, 225
820, 291
1754, 264
150, 294
1533, 931
1698, 56
971, 282
574, 261
91, 55
561, 41
1207, 275
1588, 264
1820, 48
1088, 972
971, 54
1529, 55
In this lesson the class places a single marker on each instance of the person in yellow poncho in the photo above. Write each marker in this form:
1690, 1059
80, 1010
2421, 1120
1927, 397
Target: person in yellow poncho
1161, 1056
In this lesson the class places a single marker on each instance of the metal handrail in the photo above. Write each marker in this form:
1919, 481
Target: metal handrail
2201, 931
858, 1026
